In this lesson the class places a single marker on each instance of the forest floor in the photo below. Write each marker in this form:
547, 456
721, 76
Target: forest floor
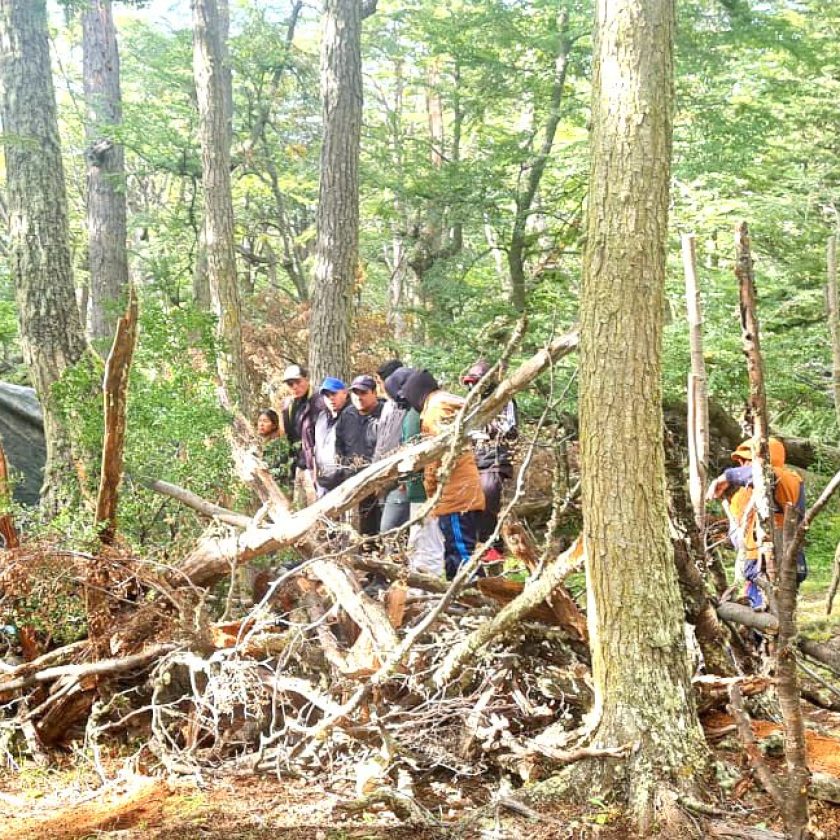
70, 801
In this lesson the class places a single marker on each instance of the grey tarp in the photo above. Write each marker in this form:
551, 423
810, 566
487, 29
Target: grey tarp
22, 436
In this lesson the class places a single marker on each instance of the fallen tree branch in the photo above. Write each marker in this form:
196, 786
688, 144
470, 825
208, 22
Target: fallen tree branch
202, 506
531, 596
77, 672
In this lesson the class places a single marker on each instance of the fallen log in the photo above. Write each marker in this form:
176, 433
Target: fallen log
822, 653
748, 617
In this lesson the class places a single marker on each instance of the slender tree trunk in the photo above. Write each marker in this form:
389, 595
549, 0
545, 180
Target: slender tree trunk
336, 255
213, 83
517, 251
763, 476
639, 661
106, 210
39, 260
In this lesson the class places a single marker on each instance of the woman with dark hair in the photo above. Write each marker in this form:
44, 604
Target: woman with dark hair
274, 447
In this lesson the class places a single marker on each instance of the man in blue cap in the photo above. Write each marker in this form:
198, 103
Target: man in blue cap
328, 471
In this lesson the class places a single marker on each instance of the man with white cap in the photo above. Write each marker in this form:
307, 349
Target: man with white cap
297, 422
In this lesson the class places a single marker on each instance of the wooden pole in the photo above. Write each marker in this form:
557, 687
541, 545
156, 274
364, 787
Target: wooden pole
763, 477
697, 392
834, 320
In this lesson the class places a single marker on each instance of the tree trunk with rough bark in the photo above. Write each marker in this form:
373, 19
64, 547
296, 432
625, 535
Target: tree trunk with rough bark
639, 660
106, 208
336, 255
213, 82
50, 328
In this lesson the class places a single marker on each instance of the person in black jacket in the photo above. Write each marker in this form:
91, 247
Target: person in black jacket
355, 442
297, 422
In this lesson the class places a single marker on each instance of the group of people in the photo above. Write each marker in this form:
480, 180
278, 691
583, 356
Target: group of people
734, 486
336, 430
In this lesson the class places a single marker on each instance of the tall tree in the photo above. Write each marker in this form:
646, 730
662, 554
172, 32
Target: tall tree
337, 247
213, 88
50, 328
639, 661
106, 208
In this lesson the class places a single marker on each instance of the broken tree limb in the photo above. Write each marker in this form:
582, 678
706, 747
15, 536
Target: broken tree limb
533, 595
712, 692
212, 559
77, 672
824, 654
115, 390
202, 506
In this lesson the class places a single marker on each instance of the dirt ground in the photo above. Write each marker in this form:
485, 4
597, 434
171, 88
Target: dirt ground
69, 804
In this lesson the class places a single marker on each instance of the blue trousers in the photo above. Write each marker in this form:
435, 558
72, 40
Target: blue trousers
459, 538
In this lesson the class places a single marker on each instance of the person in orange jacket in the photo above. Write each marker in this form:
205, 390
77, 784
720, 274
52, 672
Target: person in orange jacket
462, 496
789, 490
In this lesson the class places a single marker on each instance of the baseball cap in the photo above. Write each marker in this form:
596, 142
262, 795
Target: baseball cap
294, 372
363, 383
330, 383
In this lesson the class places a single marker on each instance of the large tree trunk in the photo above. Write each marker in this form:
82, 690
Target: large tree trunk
213, 90
106, 211
50, 328
639, 661
337, 245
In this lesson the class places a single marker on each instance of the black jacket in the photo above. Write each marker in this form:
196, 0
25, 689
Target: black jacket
355, 437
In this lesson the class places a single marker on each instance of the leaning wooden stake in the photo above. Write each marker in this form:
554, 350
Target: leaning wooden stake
115, 388
834, 320
8, 534
763, 477
697, 393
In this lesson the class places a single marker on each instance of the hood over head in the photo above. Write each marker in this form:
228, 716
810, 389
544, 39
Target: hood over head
417, 388
395, 381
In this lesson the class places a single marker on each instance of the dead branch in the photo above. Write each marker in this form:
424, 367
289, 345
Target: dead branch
835, 581
8, 533
741, 614
712, 692
533, 595
77, 672
763, 478
826, 655
202, 506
